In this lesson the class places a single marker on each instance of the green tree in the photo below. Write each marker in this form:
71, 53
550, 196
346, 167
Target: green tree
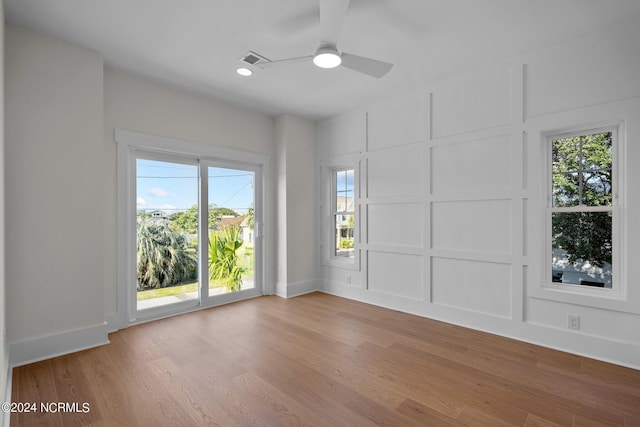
250, 217
582, 170
584, 235
223, 259
164, 258
187, 221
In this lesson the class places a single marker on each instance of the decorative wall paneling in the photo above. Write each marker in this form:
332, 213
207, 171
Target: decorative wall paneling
466, 155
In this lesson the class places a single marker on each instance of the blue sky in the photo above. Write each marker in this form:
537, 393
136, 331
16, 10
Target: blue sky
173, 187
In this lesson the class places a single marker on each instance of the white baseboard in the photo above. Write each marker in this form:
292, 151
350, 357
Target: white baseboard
295, 289
281, 290
35, 350
115, 322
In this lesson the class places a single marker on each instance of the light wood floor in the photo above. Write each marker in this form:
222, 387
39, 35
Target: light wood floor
320, 360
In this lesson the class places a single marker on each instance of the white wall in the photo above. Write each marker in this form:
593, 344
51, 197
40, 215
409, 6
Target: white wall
138, 104
53, 193
4, 355
451, 204
63, 107
296, 196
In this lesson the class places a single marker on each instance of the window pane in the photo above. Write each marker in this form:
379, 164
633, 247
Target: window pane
596, 151
566, 154
349, 180
344, 190
582, 168
566, 189
341, 201
166, 233
344, 229
341, 181
582, 248
231, 230
349, 199
597, 188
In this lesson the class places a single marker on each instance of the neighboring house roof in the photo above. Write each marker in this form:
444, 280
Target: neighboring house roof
232, 220
158, 214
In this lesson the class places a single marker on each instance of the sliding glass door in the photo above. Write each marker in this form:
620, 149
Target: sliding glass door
196, 233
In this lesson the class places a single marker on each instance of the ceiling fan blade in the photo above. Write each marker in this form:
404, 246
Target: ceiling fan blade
277, 62
371, 67
332, 15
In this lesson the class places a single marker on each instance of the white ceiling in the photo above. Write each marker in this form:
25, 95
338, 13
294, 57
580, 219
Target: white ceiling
196, 44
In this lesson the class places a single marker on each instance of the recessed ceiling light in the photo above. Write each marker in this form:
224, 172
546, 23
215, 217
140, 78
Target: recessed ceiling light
244, 71
327, 57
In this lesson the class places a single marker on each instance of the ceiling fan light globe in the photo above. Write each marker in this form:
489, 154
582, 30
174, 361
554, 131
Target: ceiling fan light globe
327, 58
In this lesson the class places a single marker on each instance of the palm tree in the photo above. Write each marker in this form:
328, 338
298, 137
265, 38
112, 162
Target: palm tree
164, 257
223, 260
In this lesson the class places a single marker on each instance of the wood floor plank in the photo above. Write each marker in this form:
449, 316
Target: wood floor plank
273, 406
476, 391
427, 416
295, 378
72, 387
537, 421
36, 386
323, 360
483, 383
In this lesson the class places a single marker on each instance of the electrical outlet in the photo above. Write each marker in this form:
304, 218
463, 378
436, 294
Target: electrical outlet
573, 321
348, 280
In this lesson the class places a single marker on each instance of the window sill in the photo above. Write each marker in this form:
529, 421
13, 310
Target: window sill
601, 298
350, 264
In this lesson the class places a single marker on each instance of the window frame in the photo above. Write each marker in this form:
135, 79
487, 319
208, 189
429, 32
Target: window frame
328, 210
128, 143
335, 212
617, 290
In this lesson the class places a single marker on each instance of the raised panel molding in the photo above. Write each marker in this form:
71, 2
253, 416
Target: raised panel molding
480, 192
395, 274
399, 224
397, 172
569, 76
476, 102
471, 285
477, 165
479, 225
397, 122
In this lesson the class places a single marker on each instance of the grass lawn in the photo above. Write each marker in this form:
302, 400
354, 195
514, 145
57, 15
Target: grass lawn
176, 290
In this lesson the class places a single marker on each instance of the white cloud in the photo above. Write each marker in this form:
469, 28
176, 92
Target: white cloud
158, 192
140, 202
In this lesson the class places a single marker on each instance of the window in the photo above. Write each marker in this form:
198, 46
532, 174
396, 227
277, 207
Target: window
582, 213
344, 213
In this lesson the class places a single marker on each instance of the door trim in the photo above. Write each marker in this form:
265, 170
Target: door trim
128, 142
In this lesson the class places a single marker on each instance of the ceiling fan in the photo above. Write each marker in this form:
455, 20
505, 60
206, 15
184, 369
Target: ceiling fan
332, 16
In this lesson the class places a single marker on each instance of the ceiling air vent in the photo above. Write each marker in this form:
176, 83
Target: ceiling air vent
253, 58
